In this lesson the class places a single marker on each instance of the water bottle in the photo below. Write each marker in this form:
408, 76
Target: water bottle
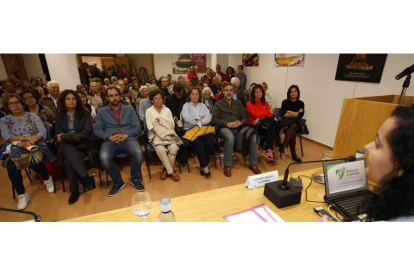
360, 153
166, 214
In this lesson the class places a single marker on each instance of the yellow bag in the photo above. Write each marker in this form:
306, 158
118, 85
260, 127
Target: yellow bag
196, 132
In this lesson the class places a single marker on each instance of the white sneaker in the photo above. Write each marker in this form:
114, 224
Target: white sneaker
49, 185
23, 201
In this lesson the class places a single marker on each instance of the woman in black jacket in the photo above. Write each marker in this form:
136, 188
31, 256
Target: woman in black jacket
73, 128
292, 112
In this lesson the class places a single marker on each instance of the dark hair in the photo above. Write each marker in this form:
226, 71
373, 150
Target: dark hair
61, 107
253, 98
5, 100
199, 94
27, 91
111, 88
177, 88
253, 84
232, 70
155, 93
289, 90
241, 66
395, 194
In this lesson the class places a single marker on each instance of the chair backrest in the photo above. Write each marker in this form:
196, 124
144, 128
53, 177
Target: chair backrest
47, 131
277, 112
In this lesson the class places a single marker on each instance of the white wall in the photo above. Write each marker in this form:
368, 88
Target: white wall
63, 69
33, 66
3, 73
163, 65
321, 93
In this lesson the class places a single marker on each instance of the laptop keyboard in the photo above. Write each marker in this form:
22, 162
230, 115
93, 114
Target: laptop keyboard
352, 205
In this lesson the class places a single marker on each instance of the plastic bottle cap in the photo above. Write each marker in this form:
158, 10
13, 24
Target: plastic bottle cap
165, 204
360, 151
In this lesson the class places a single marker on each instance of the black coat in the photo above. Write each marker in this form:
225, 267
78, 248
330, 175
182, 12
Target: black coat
82, 137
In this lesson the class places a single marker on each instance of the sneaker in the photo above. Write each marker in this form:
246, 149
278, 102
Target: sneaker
23, 201
115, 190
270, 158
49, 185
138, 186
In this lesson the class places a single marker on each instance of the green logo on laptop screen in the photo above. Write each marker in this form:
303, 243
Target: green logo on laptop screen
340, 173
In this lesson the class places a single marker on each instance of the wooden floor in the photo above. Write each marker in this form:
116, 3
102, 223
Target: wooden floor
55, 207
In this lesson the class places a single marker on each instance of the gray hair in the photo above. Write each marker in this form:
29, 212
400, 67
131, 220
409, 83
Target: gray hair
106, 79
207, 89
235, 81
151, 87
52, 82
114, 78
142, 88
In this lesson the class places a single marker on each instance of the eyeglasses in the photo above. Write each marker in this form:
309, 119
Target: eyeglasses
28, 98
14, 103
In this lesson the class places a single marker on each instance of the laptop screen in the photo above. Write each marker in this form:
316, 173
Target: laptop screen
342, 178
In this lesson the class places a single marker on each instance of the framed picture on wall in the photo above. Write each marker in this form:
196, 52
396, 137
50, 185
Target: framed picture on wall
360, 67
283, 60
250, 60
181, 63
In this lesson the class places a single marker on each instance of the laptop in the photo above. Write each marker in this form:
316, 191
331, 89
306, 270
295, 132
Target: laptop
347, 188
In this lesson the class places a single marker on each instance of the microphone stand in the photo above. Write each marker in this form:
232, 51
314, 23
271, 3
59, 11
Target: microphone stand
36, 217
405, 85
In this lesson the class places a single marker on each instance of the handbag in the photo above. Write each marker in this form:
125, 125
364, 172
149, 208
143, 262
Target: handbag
265, 123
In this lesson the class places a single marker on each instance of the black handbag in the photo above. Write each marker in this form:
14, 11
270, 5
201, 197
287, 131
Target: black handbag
265, 123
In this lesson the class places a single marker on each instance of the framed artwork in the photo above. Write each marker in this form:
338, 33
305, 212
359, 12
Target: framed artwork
181, 63
284, 60
360, 67
250, 60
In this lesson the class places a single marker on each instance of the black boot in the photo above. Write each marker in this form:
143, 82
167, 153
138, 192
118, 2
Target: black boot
74, 196
296, 158
89, 182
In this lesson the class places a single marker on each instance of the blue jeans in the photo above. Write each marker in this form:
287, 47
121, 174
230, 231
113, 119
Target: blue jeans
109, 150
229, 135
16, 178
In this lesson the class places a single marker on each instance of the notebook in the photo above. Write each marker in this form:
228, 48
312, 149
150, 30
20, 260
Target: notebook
346, 187
257, 213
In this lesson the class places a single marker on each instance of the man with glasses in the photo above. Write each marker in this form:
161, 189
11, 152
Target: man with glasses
230, 116
117, 125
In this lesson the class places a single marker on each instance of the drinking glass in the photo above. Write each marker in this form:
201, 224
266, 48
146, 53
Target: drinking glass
142, 204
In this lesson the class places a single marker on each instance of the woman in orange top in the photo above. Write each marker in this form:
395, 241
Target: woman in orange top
260, 116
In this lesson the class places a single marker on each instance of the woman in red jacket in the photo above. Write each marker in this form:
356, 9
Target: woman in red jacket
261, 117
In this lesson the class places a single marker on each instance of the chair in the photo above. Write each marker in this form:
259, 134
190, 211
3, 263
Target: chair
52, 162
277, 112
149, 148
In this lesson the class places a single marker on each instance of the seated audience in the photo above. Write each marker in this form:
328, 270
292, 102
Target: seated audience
136, 95
97, 99
123, 72
230, 116
220, 75
118, 126
238, 93
242, 77
292, 112
51, 100
45, 114
161, 134
23, 129
261, 118
144, 104
164, 86
207, 98
192, 75
74, 137
89, 107
196, 115
176, 101
230, 73
268, 98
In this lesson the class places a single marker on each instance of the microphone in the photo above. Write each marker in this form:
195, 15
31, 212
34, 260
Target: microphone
282, 193
407, 71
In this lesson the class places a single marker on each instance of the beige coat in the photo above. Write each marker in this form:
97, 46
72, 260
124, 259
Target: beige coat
164, 133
